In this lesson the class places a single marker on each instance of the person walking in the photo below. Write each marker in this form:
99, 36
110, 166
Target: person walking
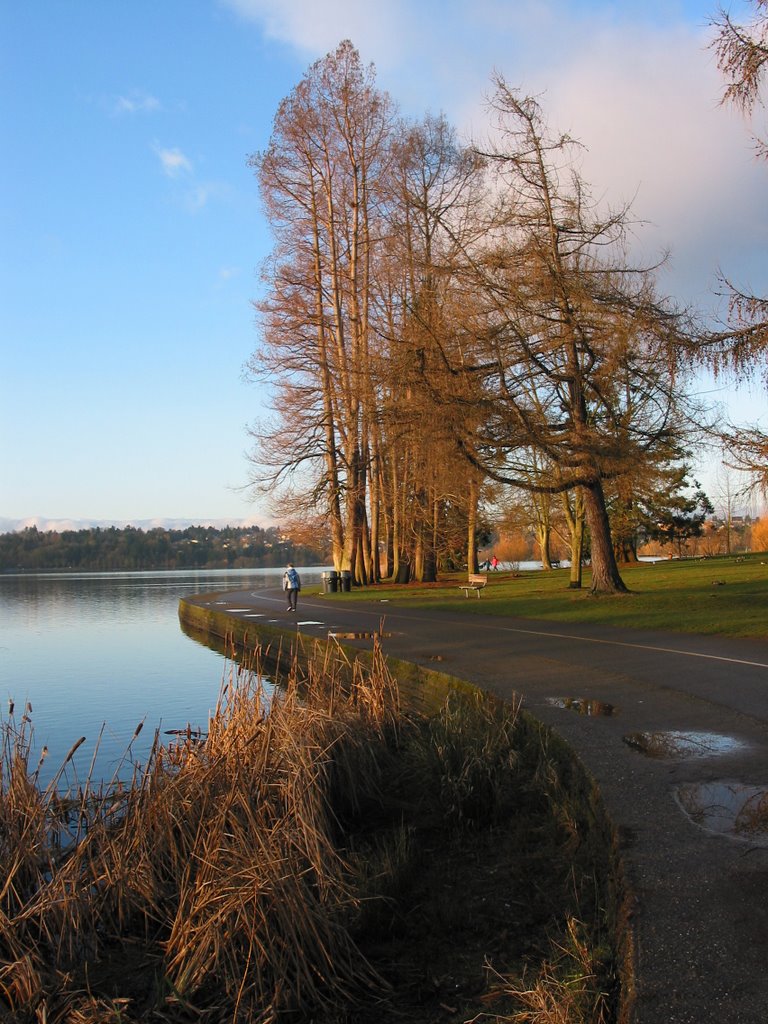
291, 586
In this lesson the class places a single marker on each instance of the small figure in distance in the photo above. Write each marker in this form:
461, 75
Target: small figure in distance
485, 565
291, 586
495, 564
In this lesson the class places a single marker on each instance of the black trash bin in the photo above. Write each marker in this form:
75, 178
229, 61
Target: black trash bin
330, 582
346, 580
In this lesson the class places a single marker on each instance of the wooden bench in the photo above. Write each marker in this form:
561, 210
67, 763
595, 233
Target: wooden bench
475, 581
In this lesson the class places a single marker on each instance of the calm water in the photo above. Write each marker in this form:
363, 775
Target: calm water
105, 649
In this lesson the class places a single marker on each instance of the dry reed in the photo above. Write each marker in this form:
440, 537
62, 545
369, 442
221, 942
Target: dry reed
566, 989
213, 868
231, 877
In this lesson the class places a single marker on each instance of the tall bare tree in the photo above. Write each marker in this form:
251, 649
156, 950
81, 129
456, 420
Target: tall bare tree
566, 331
433, 181
420, 344
321, 178
742, 349
742, 56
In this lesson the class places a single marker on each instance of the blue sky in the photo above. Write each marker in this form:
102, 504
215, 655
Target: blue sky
132, 230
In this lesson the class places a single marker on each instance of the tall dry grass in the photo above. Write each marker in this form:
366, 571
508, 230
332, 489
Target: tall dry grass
212, 875
565, 989
235, 875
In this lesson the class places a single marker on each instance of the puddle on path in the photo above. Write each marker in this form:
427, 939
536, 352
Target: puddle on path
582, 706
728, 808
681, 744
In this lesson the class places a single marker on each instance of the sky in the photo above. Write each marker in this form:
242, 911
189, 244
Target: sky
131, 229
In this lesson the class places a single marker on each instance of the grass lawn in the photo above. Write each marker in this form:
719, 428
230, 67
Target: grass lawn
726, 596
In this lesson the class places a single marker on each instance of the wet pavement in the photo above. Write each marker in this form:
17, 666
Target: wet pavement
681, 759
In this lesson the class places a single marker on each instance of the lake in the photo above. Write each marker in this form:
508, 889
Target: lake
93, 650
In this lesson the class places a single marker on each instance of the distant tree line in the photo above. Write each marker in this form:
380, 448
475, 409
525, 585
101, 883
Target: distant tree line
197, 547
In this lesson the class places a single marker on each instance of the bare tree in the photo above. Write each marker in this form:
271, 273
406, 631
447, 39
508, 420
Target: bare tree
320, 179
421, 344
433, 182
741, 350
570, 352
728, 490
742, 56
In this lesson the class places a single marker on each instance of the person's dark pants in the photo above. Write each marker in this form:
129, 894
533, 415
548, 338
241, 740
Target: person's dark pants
293, 597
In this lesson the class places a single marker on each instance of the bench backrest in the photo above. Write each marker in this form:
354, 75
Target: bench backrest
476, 577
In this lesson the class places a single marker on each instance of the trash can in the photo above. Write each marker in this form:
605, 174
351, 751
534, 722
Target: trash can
346, 580
330, 582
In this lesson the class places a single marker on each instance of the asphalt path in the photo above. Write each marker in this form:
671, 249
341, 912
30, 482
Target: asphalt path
674, 729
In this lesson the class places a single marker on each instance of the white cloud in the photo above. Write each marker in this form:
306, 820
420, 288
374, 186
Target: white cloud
198, 196
203, 192
646, 106
317, 26
135, 102
194, 194
636, 83
173, 161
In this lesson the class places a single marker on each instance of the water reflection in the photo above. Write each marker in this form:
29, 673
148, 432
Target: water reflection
584, 706
681, 744
728, 808
95, 654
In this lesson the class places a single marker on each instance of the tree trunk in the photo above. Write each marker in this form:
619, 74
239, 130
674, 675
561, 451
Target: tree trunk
472, 563
429, 571
626, 552
389, 552
418, 554
574, 517
605, 572
543, 538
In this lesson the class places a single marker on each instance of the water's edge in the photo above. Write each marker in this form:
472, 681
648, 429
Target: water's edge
424, 689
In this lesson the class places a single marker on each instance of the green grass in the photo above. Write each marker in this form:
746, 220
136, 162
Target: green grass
724, 596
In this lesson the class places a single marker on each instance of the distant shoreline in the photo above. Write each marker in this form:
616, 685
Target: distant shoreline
156, 550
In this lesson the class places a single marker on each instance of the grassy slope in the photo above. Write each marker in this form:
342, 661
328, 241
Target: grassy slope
726, 596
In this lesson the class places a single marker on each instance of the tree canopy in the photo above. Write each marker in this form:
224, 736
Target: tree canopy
741, 349
440, 319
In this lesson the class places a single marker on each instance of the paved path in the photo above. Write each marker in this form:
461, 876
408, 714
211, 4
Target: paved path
701, 923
